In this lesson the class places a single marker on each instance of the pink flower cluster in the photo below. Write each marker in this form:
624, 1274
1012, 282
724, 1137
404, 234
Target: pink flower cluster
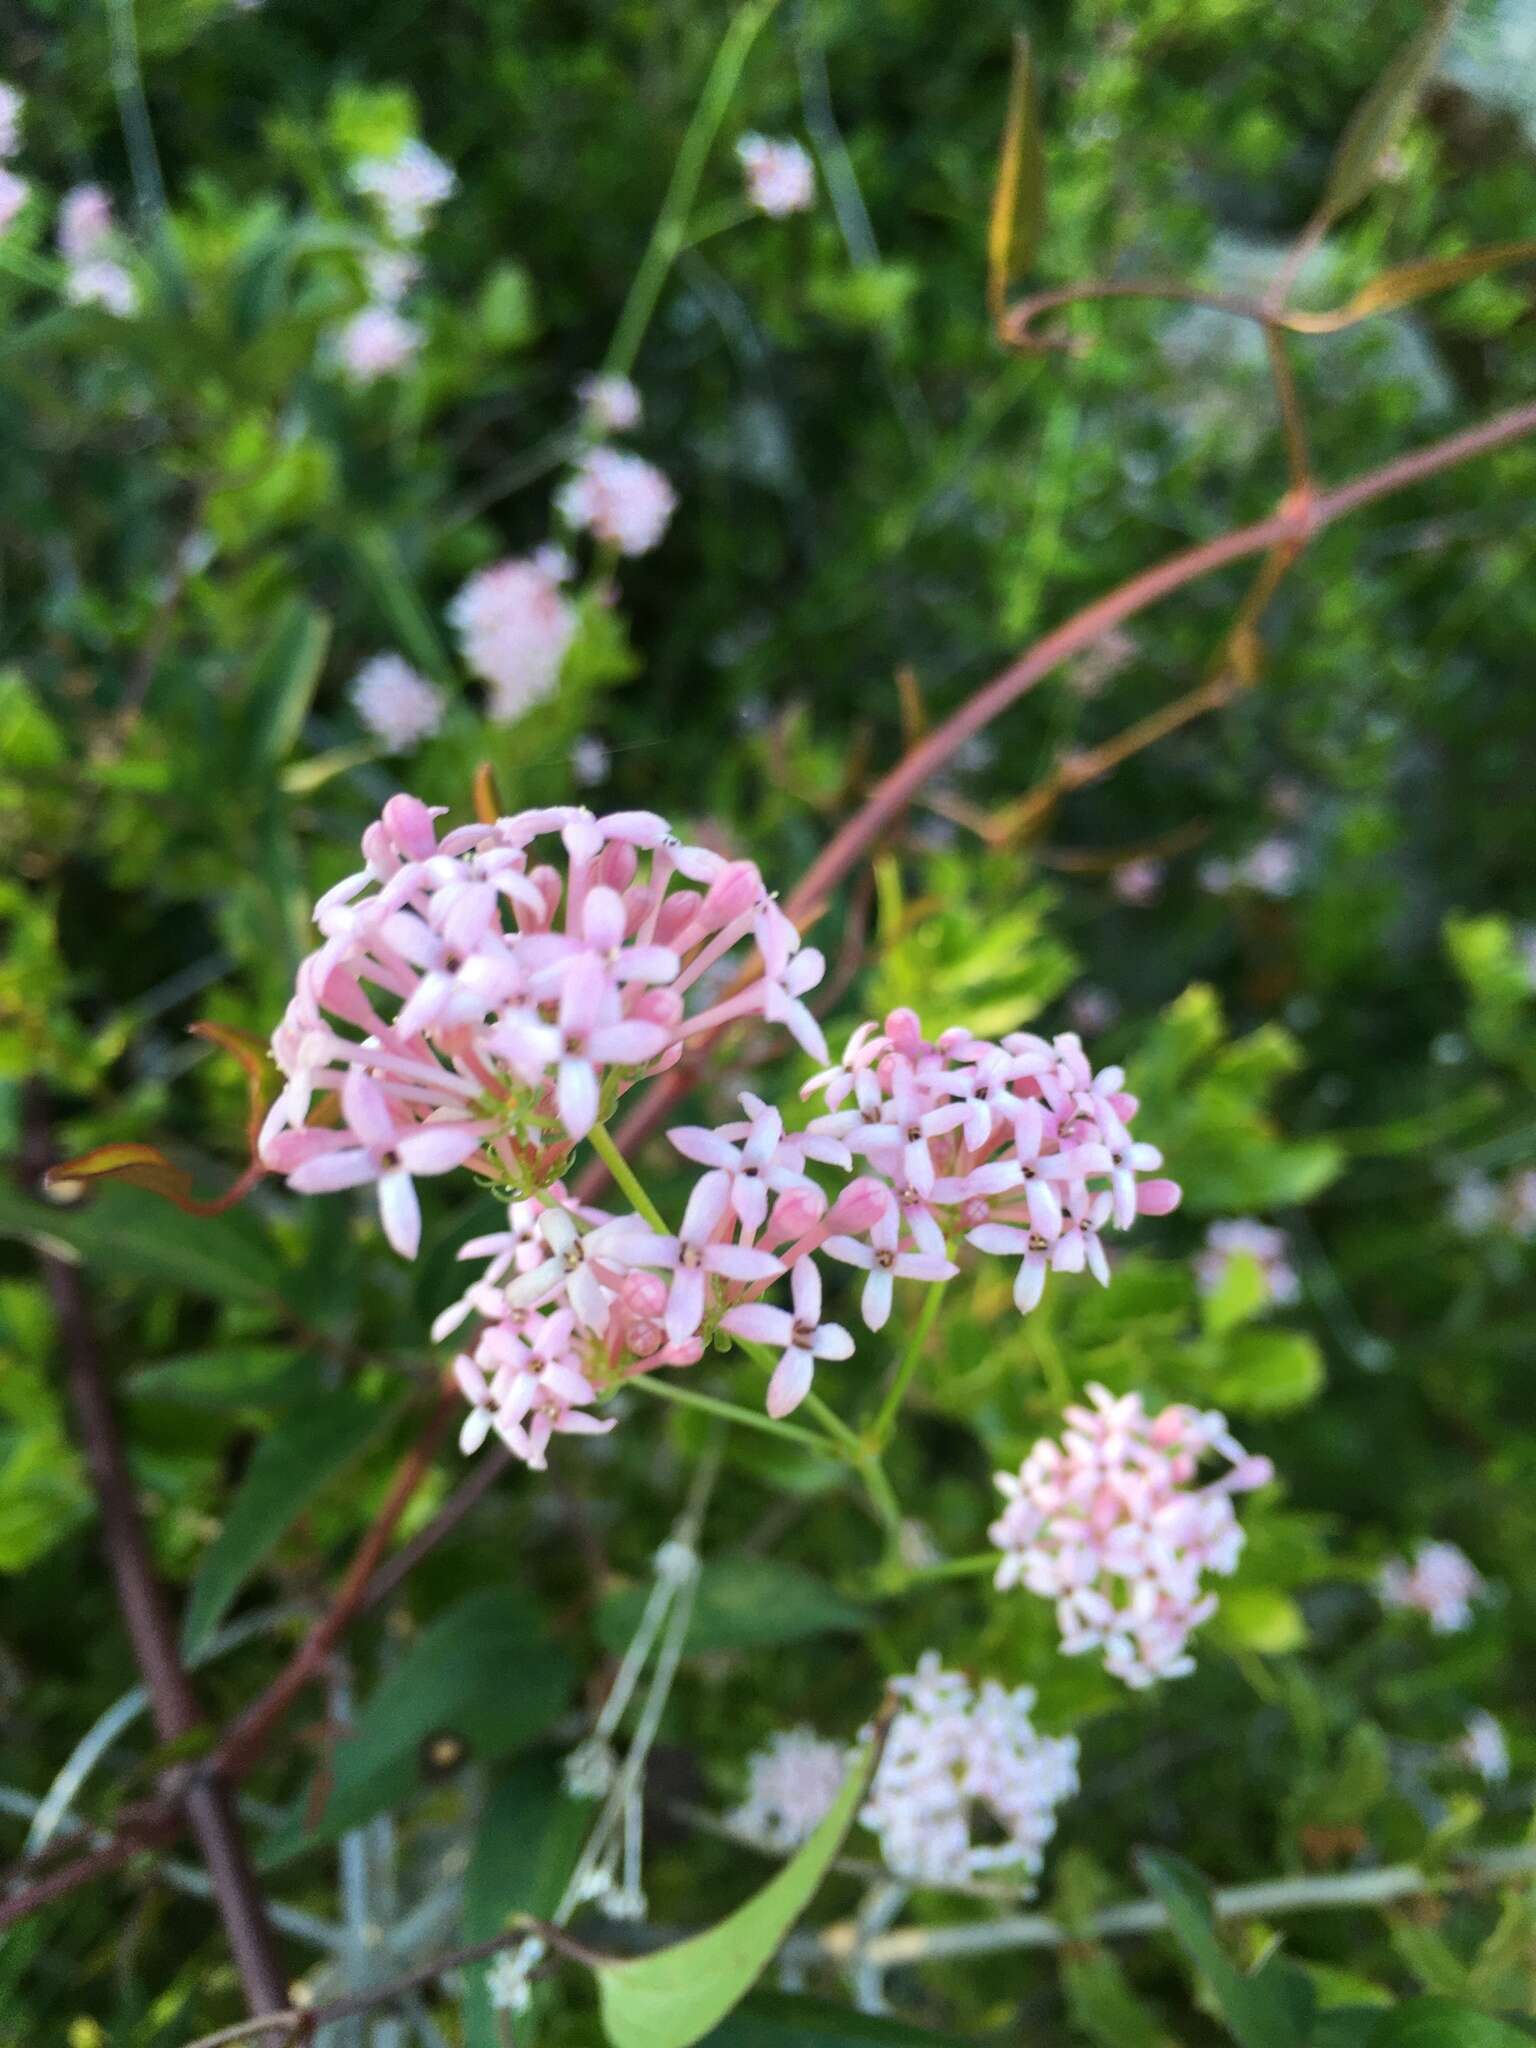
398, 706
377, 341
1441, 1582
407, 186
1267, 1247
93, 275
515, 626
966, 1788
791, 1784
475, 1004
1112, 1525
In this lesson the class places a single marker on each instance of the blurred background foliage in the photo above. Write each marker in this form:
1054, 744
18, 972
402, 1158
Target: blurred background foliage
202, 536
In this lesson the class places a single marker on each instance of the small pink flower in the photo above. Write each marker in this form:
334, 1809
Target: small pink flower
885, 1265
375, 343
14, 193
515, 628
753, 1165
1138, 882
85, 223
380, 1151
802, 1337
695, 1254
408, 186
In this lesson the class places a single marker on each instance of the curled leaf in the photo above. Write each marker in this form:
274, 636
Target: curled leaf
1018, 195
147, 1167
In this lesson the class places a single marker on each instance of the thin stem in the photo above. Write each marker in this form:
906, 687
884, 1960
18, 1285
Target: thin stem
973, 1567
625, 1177
1353, 1888
890, 1407
668, 237
727, 1411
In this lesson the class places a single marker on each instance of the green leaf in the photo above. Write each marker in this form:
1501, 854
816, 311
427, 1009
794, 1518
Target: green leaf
283, 686
225, 1257
484, 1671
505, 312
1240, 1295
742, 1603
1383, 114
1259, 2015
526, 1845
1017, 218
1406, 282
289, 1469
225, 1376
1441, 2023
672, 1998
1100, 2002
774, 2019
394, 591
1264, 1372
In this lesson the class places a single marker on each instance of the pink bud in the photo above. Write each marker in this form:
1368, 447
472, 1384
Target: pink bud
549, 883
644, 1338
904, 1031
795, 1212
644, 1294
618, 865
1158, 1197
860, 1206
677, 912
409, 824
731, 894
657, 1006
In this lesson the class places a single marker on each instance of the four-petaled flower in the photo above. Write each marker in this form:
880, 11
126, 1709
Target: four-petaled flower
802, 1337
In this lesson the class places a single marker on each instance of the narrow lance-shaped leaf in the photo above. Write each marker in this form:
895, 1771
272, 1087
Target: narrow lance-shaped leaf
283, 687
672, 1998
290, 1468
1018, 196
1405, 282
1258, 2015
1383, 114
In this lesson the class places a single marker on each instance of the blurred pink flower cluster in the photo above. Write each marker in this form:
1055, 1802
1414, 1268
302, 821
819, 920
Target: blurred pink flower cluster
93, 276
406, 187
1440, 1582
515, 625
791, 1784
1267, 1247
476, 1003
1113, 1525
781, 179
966, 1788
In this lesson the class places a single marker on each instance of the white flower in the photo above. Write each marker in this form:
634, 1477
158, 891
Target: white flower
618, 498
611, 404
390, 273
11, 104
780, 176
13, 196
85, 222
1482, 1748
407, 186
398, 706
103, 283
1441, 1583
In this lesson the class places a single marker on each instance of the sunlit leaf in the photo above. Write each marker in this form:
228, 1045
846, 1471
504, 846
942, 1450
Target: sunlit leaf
671, 1998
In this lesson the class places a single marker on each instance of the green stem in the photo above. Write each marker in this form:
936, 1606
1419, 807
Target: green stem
624, 1175
668, 237
726, 1411
890, 1407
972, 1567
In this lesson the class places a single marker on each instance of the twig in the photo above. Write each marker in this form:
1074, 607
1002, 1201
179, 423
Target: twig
208, 1805
1368, 1888
1292, 526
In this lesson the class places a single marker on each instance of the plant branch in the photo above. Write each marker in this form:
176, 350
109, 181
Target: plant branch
243, 1743
208, 1805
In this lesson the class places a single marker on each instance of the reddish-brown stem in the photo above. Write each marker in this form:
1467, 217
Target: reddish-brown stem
243, 1742
208, 1805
